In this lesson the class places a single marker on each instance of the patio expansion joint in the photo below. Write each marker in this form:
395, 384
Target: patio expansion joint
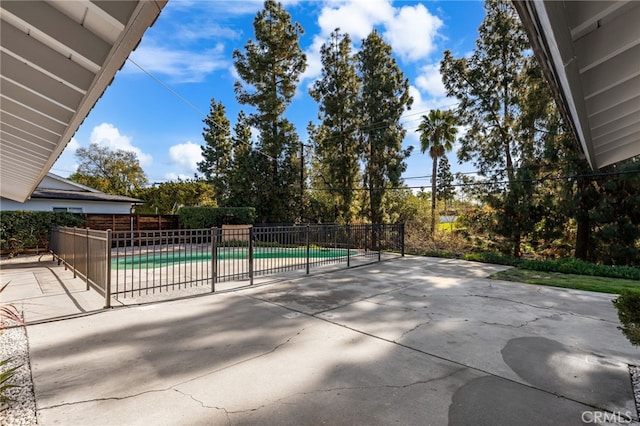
351, 302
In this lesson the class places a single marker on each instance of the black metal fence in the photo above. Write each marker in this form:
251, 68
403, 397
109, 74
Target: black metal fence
88, 253
140, 263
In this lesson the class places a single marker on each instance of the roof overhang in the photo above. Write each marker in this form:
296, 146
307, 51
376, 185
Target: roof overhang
57, 59
590, 53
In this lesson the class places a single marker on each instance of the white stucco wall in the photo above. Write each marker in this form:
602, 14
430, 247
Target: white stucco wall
50, 182
46, 205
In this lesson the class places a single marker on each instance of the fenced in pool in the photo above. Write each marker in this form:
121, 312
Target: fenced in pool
140, 263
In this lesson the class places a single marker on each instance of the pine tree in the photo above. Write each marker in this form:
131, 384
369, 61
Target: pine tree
242, 175
445, 191
270, 67
216, 163
383, 99
489, 86
336, 141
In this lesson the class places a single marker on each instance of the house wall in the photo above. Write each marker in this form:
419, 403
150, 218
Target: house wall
50, 182
47, 205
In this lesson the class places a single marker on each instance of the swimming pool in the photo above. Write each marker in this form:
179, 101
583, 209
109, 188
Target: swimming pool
156, 260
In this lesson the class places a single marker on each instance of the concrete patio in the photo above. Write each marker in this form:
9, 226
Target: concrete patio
409, 341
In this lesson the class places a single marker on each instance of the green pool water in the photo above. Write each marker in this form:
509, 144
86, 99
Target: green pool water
163, 259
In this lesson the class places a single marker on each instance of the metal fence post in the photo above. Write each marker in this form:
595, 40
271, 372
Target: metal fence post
251, 256
107, 287
366, 237
402, 238
307, 244
379, 242
348, 245
73, 255
86, 271
214, 258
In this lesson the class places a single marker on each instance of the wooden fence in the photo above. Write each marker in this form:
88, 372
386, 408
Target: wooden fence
127, 222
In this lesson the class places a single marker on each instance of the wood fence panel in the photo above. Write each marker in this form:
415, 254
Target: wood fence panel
125, 222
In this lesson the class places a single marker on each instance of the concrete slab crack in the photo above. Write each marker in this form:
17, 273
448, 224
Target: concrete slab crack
351, 388
269, 352
205, 405
555, 308
405, 386
110, 398
414, 328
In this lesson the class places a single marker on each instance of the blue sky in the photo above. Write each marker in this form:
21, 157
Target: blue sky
189, 53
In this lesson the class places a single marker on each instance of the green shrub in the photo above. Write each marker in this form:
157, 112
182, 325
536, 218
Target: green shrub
208, 217
494, 258
628, 305
565, 266
31, 229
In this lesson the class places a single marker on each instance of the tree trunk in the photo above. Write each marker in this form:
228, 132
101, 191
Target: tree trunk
583, 233
433, 196
582, 237
517, 238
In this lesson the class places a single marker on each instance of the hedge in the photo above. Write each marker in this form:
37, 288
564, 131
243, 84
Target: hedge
208, 217
21, 230
565, 266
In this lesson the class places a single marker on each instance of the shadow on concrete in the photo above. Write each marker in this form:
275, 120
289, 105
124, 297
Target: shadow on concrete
377, 345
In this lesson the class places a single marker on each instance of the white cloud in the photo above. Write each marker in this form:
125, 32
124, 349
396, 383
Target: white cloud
108, 135
355, 17
430, 81
182, 66
412, 31
185, 157
176, 176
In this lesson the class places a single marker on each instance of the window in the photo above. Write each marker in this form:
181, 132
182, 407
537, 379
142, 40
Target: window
68, 209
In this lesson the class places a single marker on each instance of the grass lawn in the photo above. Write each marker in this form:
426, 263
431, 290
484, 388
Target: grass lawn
578, 282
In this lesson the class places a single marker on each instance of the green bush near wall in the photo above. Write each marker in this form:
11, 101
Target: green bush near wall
21, 230
208, 217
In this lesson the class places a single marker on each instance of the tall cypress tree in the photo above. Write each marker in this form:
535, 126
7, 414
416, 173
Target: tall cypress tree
216, 163
491, 87
384, 97
337, 145
270, 67
242, 176
445, 191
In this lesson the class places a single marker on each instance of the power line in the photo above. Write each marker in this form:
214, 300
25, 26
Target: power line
192, 106
502, 182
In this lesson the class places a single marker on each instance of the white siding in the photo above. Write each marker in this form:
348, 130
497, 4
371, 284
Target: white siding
104, 207
51, 181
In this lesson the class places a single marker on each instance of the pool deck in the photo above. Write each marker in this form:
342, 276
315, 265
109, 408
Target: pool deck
411, 341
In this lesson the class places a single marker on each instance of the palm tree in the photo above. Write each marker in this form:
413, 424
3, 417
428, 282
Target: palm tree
437, 134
